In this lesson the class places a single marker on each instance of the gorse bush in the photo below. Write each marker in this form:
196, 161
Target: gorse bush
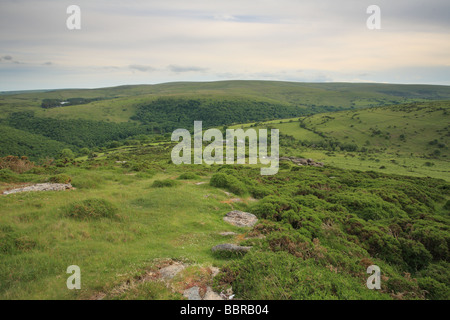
332, 230
282, 276
12, 242
6, 175
61, 178
91, 209
164, 183
188, 176
16, 164
228, 182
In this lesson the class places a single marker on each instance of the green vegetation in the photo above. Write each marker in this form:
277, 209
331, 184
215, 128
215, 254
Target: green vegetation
73, 133
61, 178
188, 176
382, 198
95, 118
330, 224
53, 103
164, 183
410, 139
91, 209
167, 114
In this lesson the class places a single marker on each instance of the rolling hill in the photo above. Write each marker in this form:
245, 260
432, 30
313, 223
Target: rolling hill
382, 197
96, 117
410, 139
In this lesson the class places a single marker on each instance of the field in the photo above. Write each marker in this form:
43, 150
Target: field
382, 197
408, 139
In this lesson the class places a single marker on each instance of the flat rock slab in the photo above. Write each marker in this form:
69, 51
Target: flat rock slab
192, 293
228, 233
171, 271
41, 187
230, 248
211, 295
214, 271
241, 219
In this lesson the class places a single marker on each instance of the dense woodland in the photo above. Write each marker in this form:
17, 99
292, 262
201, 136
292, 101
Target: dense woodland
75, 133
167, 114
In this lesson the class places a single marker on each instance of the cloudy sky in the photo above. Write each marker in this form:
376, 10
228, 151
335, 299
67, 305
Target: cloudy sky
136, 41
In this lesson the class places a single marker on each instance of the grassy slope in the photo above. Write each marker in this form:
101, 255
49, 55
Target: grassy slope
419, 123
181, 222
178, 223
120, 103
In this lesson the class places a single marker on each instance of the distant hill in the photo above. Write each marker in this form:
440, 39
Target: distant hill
121, 112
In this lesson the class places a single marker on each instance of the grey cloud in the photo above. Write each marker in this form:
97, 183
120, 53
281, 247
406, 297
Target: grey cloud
48, 63
141, 68
10, 59
179, 69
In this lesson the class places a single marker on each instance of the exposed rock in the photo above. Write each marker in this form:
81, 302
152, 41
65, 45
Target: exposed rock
214, 271
211, 295
192, 293
171, 271
229, 247
302, 161
228, 294
240, 218
98, 296
260, 236
41, 187
229, 233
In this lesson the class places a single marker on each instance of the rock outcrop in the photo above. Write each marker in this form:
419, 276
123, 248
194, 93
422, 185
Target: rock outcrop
41, 187
302, 161
240, 218
229, 247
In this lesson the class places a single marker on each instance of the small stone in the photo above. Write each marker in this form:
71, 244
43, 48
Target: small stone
41, 187
211, 295
171, 271
241, 219
226, 234
192, 293
230, 248
214, 271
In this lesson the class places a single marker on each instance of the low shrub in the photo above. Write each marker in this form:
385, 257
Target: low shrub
91, 209
415, 254
16, 164
6, 175
434, 290
228, 182
188, 176
61, 178
282, 276
164, 183
11, 242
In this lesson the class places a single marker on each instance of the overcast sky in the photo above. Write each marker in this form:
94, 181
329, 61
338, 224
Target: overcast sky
136, 41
